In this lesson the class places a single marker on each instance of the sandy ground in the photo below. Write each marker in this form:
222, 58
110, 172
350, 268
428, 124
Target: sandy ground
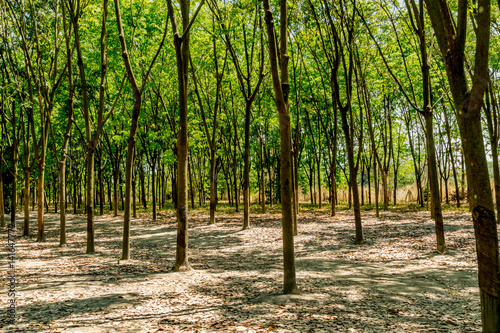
395, 282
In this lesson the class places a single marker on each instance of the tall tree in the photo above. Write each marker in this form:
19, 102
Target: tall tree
137, 94
181, 44
451, 34
278, 56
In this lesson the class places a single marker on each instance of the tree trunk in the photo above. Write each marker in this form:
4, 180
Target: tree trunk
235, 174
115, 193
40, 201
319, 181
153, 184
362, 181
385, 190
89, 200
434, 185
26, 229
134, 201
213, 187
62, 200
143, 185
2, 208
262, 180
75, 175
375, 185
101, 185
191, 188
246, 171
334, 183
13, 201
369, 186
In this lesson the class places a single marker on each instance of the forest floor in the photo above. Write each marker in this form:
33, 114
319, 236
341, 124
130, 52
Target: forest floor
395, 282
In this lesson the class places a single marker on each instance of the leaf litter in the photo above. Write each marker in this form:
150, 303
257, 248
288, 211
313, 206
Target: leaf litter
394, 282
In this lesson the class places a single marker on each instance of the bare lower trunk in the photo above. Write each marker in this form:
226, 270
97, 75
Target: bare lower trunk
294, 202
434, 186
101, 186
262, 180
319, 183
89, 200
236, 196
115, 193
129, 166
286, 206
62, 200
153, 185
375, 185
246, 172
26, 229
213, 188
496, 176
41, 225
191, 187
134, 201
2, 208
332, 196
383, 173
13, 201
483, 214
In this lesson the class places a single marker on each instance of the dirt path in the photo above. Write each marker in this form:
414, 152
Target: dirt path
395, 282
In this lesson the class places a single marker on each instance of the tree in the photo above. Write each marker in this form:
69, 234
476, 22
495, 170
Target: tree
181, 44
278, 57
451, 37
137, 93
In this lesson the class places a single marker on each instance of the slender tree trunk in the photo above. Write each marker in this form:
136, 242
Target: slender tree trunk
13, 201
89, 200
2, 208
115, 193
319, 181
352, 177
362, 181
101, 185
333, 195
40, 201
75, 182
143, 186
395, 186
62, 200
375, 185
434, 185
385, 190
26, 229
134, 201
294, 203
213, 187
153, 184
235, 174
369, 187
262, 180
246, 172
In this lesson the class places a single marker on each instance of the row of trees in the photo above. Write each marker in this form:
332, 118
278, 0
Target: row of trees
400, 92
